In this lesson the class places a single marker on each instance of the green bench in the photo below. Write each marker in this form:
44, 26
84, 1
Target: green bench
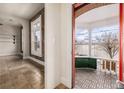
85, 62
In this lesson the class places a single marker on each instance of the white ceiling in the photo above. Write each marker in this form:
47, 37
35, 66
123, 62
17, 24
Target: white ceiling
97, 14
19, 10
22, 10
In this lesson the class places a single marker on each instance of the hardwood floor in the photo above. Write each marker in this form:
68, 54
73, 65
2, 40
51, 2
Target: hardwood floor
93, 79
16, 73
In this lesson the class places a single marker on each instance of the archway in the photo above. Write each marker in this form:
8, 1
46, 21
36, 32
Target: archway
79, 9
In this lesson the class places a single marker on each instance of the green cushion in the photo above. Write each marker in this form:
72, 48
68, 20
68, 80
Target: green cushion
85, 63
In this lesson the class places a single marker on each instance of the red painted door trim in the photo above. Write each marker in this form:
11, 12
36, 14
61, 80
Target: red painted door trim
74, 8
121, 43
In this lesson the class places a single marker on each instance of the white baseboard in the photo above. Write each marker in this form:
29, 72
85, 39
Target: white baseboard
66, 82
8, 54
51, 86
36, 60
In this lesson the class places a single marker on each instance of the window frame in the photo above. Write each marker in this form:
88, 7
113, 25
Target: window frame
40, 13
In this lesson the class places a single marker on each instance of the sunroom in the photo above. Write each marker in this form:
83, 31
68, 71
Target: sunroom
97, 47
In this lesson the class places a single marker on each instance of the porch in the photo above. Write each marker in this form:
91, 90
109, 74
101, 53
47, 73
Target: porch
101, 73
97, 48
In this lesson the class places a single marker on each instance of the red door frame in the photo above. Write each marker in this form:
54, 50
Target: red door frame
121, 43
75, 7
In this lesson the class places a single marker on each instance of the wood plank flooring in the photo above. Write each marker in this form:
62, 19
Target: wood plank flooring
93, 79
16, 73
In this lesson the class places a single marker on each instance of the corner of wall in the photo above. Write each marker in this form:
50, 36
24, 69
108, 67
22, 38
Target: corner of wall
66, 44
35, 60
66, 82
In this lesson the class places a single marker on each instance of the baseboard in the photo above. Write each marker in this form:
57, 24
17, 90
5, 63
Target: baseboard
66, 82
86, 68
35, 60
11, 54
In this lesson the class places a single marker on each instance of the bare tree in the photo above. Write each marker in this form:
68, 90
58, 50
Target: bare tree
109, 43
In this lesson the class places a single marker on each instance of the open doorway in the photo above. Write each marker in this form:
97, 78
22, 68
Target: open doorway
18, 69
96, 46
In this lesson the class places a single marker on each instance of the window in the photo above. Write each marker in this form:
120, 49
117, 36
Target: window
82, 42
36, 37
100, 37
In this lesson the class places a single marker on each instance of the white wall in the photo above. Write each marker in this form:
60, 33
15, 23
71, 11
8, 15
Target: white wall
25, 38
58, 45
6, 40
52, 45
101, 23
66, 44
25, 32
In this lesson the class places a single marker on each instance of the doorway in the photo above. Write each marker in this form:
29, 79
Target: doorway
89, 55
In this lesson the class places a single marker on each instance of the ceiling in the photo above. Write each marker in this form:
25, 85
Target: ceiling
97, 14
19, 10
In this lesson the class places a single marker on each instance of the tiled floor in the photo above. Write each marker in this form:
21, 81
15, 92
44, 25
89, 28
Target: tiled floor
16, 73
92, 79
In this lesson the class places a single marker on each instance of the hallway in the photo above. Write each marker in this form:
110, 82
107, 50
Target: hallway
16, 73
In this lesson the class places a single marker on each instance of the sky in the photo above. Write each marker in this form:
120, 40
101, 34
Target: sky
82, 34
